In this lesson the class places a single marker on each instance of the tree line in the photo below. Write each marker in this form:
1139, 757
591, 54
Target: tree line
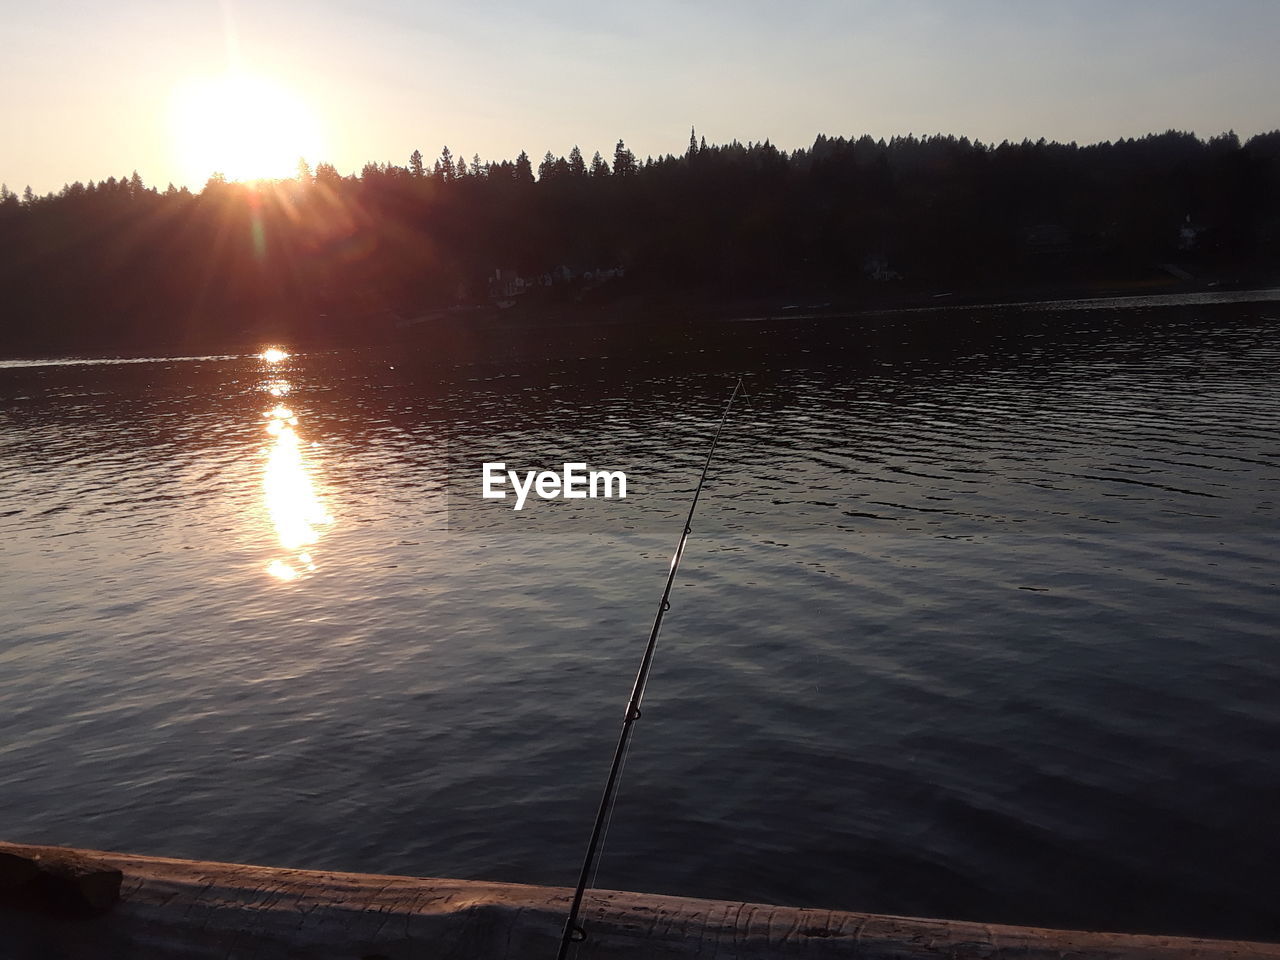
118, 261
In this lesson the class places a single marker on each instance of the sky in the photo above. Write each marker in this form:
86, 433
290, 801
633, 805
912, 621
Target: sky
97, 90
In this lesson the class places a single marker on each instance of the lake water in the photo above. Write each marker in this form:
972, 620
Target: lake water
978, 619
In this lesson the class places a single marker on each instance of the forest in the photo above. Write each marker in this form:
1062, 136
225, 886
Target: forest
118, 262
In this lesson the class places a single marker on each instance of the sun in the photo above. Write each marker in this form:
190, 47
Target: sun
243, 126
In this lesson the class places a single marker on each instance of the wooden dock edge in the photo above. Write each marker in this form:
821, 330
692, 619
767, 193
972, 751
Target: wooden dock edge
198, 909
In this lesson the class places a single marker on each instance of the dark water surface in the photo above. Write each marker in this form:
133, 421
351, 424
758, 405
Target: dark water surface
979, 619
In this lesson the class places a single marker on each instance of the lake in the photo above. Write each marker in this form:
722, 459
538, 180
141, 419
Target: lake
977, 620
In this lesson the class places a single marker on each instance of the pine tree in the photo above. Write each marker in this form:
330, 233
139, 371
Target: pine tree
547, 168
599, 168
460, 171
28, 195
577, 167
524, 169
304, 171
446, 164
693, 144
415, 164
624, 161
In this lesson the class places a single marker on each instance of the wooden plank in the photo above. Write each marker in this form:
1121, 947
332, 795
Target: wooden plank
198, 909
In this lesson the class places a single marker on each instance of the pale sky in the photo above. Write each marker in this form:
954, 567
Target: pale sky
90, 85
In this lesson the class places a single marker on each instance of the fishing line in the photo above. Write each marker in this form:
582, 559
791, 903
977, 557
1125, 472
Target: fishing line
608, 823
573, 931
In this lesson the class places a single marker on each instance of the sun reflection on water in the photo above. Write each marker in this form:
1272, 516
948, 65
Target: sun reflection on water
294, 508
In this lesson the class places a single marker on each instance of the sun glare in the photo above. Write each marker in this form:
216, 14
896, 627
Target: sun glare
273, 355
292, 504
243, 126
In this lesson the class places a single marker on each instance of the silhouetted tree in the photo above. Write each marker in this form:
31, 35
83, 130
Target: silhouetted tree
624, 161
415, 164
546, 169
523, 169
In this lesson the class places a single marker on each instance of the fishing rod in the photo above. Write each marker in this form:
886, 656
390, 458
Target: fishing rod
573, 932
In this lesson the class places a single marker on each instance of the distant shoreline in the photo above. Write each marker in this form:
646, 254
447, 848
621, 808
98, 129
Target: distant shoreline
692, 312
